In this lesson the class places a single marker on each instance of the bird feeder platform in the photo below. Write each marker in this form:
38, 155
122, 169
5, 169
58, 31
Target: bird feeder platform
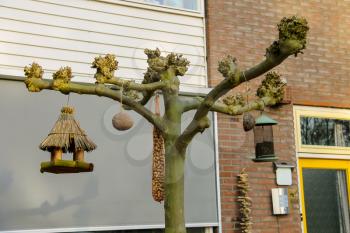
66, 166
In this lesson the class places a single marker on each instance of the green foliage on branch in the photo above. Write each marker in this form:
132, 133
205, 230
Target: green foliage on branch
228, 67
159, 64
105, 67
234, 100
272, 86
293, 28
62, 77
292, 36
151, 76
34, 71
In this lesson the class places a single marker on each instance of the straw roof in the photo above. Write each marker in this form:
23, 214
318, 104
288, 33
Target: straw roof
67, 134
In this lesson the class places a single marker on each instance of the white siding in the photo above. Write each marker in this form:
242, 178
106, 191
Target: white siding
57, 33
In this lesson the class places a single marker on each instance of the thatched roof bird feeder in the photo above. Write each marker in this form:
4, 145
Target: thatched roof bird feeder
67, 136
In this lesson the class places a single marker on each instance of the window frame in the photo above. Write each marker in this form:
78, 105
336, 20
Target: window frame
318, 112
171, 7
161, 8
319, 164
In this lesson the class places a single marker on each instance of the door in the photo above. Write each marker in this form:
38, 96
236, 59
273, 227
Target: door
325, 195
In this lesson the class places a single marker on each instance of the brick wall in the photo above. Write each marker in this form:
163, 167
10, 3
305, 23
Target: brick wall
318, 78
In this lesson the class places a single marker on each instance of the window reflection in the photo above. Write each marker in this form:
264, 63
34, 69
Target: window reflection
185, 4
325, 131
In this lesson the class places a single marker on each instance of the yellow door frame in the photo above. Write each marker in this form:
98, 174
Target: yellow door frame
320, 164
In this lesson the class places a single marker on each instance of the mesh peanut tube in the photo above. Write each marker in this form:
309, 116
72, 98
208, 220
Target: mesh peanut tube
158, 161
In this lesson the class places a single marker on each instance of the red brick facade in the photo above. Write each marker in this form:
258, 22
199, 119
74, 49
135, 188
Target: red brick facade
319, 77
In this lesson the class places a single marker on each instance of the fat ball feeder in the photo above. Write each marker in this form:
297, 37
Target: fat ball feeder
122, 120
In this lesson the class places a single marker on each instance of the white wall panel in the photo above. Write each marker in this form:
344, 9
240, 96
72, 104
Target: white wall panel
57, 33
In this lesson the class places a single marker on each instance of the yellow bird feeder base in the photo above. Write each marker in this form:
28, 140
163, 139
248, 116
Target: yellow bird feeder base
66, 166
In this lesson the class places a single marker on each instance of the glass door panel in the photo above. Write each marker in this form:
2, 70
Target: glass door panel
325, 195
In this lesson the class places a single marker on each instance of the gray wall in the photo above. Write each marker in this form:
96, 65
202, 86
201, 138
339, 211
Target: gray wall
117, 193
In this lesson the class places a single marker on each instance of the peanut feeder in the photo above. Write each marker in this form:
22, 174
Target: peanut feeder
158, 160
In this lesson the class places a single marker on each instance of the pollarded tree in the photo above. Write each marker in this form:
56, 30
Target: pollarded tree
162, 76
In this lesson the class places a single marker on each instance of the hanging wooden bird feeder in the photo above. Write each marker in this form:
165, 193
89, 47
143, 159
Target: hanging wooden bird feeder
67, 136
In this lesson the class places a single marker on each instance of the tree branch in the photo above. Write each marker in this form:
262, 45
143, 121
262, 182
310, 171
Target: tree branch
192, 103
189, 103
147, 95
232, 110
147, 87
38, 84
236, 79
292, 40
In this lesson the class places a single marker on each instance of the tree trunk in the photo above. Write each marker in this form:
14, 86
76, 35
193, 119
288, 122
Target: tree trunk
174, 189
174, 160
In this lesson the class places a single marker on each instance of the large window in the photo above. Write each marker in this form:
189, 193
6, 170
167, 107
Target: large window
182, 4
322, 130
117, 195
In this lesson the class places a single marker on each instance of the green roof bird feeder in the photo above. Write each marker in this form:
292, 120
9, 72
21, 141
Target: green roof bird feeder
263, 138
67, 136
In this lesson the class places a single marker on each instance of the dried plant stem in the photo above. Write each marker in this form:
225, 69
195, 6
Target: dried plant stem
244, 202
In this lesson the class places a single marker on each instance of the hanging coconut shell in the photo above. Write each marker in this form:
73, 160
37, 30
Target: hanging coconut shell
122, 121
158, 161
67, 136
248, 121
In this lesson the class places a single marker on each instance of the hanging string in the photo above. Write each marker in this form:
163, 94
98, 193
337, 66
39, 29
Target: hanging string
68, 98
156, 102
247, 87
121, 97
